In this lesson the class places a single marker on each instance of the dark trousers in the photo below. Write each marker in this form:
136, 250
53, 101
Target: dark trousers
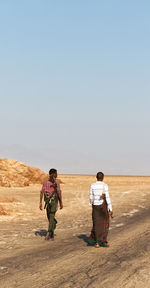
100, 218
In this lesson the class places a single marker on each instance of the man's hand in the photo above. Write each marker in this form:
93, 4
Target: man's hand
40, 206
102, 196
111, 214
61, 205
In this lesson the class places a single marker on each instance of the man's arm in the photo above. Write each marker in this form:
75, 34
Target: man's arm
59, 195
60, 201
41, 197
108, 200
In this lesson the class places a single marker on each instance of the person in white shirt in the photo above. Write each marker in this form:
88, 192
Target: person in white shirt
101, 210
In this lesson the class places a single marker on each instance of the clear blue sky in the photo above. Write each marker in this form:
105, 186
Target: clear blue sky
75, 85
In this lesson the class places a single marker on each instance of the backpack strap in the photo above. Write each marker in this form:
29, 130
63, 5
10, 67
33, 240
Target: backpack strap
103, 192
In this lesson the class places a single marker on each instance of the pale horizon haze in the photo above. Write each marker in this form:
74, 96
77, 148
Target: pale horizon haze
75, 85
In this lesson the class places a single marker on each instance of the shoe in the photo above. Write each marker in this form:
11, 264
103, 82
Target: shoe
96, 245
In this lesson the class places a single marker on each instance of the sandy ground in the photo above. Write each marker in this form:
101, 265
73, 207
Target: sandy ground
26, 260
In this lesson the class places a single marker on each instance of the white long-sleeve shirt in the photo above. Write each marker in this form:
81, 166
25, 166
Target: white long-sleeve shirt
96, 191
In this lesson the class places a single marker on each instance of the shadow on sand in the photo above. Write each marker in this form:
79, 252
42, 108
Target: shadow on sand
41, 233
84, 238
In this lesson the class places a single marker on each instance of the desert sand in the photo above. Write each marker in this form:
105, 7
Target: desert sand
27, 260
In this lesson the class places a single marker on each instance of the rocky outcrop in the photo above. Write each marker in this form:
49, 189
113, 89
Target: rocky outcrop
18, 174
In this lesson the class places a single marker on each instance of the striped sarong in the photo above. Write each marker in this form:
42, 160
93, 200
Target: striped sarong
100, 218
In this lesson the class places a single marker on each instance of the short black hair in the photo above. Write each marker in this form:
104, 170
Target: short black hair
100, 176
52, 171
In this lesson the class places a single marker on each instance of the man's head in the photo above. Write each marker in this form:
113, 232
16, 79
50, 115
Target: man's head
100, 176
53, 173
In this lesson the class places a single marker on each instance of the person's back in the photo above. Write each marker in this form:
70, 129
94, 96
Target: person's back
98, 189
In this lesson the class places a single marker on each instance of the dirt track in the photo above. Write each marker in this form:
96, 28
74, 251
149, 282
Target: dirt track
28, 261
